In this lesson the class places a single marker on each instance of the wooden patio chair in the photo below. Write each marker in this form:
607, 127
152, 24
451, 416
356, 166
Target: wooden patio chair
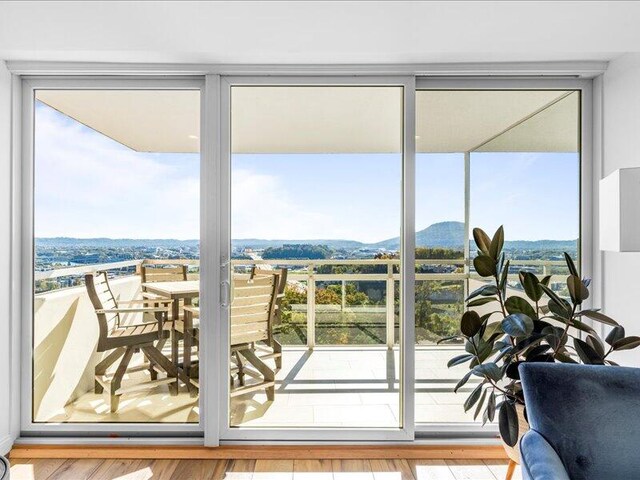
272, 348
123, 340
151, 274
251, 313
251, 318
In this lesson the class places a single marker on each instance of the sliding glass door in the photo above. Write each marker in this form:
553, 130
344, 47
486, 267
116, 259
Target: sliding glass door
114, 218
315, 251
288, 273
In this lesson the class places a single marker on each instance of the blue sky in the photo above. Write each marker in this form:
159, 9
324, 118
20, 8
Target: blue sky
87, 185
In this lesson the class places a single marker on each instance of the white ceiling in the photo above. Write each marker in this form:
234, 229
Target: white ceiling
337, 119
307, 32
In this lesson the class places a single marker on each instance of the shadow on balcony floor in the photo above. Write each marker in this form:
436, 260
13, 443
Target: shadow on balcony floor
326, 387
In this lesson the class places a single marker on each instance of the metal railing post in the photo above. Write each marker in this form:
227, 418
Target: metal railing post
390, 307
344, 295
311, 307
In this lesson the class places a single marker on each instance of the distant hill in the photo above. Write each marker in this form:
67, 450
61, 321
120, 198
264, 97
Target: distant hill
438, 235
261, 243
442, 234
113, 242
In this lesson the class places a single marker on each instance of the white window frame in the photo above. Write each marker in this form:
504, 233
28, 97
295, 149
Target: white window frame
30, 75
26, 212
587, 251
405, 432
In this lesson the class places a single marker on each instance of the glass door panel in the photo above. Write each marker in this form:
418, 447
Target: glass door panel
486, 158
116, 228
316, 203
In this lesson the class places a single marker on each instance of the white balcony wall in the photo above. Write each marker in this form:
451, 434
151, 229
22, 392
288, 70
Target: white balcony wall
621, 278
65, 337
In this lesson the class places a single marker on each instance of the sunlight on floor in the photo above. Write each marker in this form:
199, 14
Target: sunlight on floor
324, 387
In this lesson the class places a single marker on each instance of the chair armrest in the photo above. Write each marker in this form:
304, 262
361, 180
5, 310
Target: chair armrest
195, 311
146, 300
134, 310
539, 460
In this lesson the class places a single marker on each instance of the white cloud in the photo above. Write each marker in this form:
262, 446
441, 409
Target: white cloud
87, 185
262, 208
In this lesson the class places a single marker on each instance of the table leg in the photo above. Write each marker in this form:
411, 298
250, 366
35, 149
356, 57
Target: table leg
188, 327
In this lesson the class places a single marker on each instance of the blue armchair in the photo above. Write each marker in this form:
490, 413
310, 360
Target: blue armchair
585, 422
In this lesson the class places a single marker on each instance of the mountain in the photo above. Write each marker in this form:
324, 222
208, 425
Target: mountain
261, 243
113, 242
442, 234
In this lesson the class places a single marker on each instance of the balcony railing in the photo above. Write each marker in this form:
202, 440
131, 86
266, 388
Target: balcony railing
311, 273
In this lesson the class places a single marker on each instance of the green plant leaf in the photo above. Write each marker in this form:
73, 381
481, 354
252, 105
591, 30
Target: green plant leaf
600, 317
470, 323
577, 324
482, 240
586, 353
480, 403
485, 265
449, 338
481, 301
595, 343
530, 283
489, 370
504, 276
459, 359
516, 304
550, 293
462, 381
577, 289
473, 397
570, 265
564, 358
491, 406
495, 248
517, 325
508, 423
485, 291
627, 343
616, 333
561, 308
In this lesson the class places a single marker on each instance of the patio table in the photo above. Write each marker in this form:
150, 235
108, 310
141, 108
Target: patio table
187, 290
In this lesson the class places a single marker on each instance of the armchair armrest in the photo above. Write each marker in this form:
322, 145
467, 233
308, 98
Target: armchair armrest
146, 300
539, 460
134, 310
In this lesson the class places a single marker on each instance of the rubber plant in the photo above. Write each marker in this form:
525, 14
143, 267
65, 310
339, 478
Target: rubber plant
536, 325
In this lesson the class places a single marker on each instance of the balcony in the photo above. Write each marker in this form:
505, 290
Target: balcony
335, 353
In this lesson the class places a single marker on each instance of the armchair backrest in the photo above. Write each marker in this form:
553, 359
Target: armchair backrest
102, 298
252, 308
282, 284
589, 414
151, 274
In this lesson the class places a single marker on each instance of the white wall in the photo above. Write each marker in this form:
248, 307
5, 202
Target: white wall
317, 32
621, 271
5, 232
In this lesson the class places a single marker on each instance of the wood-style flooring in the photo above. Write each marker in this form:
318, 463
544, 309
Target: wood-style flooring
395, 469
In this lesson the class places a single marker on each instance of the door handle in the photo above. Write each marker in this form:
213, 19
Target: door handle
225, 294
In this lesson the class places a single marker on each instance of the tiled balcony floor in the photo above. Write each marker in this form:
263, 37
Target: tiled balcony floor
326, 387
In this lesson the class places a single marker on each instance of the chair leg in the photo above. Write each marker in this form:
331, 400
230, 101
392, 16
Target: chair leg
152, 371
117, 378
174, 388
277, 348
104, 364
510, 470
268, 374
240, 369
164, 363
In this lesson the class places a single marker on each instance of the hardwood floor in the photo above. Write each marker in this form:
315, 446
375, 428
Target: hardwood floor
147, 469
